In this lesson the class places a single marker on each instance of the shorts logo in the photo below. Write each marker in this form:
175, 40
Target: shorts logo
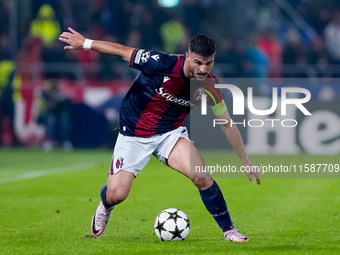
145, 56
119, 163
138, 56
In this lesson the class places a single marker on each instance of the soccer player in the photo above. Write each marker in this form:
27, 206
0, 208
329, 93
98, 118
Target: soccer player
151, 123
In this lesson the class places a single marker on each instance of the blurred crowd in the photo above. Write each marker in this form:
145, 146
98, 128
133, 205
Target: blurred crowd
255, 38
273, 48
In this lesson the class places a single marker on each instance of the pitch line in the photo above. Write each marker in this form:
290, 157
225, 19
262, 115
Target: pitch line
48, 172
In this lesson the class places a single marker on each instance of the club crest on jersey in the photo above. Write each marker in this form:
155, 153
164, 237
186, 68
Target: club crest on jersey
119, 163
145, 56
198, 94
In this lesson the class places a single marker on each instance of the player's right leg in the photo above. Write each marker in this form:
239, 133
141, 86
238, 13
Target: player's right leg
115, 192
131, 154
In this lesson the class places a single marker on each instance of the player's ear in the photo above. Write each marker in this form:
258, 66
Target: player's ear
186, 54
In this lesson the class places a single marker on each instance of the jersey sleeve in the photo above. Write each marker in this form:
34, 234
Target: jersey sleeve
215, 96
149, 61
216, 100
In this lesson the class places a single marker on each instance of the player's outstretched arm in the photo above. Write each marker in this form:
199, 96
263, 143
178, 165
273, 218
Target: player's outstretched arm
76, 41
234, 137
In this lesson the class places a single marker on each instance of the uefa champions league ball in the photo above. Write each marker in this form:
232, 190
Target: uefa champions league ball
172, 225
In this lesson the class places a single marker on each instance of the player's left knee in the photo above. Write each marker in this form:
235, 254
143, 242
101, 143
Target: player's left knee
202, 183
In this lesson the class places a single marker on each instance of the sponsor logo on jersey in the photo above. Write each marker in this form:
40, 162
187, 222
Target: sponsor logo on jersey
168, 97
138, 56
145, 56
155, 57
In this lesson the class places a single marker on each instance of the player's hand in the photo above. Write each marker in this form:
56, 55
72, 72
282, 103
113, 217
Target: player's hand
252, 170
73, 38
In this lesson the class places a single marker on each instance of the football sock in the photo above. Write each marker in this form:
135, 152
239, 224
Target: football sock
103, 196
214, 202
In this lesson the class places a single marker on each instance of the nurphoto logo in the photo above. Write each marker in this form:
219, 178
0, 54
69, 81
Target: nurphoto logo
287, 98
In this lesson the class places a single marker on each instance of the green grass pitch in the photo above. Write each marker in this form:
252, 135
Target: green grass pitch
47, 201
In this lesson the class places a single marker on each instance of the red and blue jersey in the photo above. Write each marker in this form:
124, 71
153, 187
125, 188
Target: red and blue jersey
158, 101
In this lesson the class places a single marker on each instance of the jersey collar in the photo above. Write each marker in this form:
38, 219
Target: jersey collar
182, 70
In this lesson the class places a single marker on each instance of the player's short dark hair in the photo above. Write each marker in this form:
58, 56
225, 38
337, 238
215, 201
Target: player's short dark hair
202, 45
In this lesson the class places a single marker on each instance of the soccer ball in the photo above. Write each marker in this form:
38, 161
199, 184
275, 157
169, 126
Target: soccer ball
172, 225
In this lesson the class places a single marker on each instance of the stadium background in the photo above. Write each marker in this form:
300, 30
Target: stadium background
47, 199
289, 39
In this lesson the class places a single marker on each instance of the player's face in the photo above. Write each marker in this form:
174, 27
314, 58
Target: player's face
199, 66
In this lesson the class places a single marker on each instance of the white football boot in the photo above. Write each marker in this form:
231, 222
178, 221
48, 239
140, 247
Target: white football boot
235, 236
100, 219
